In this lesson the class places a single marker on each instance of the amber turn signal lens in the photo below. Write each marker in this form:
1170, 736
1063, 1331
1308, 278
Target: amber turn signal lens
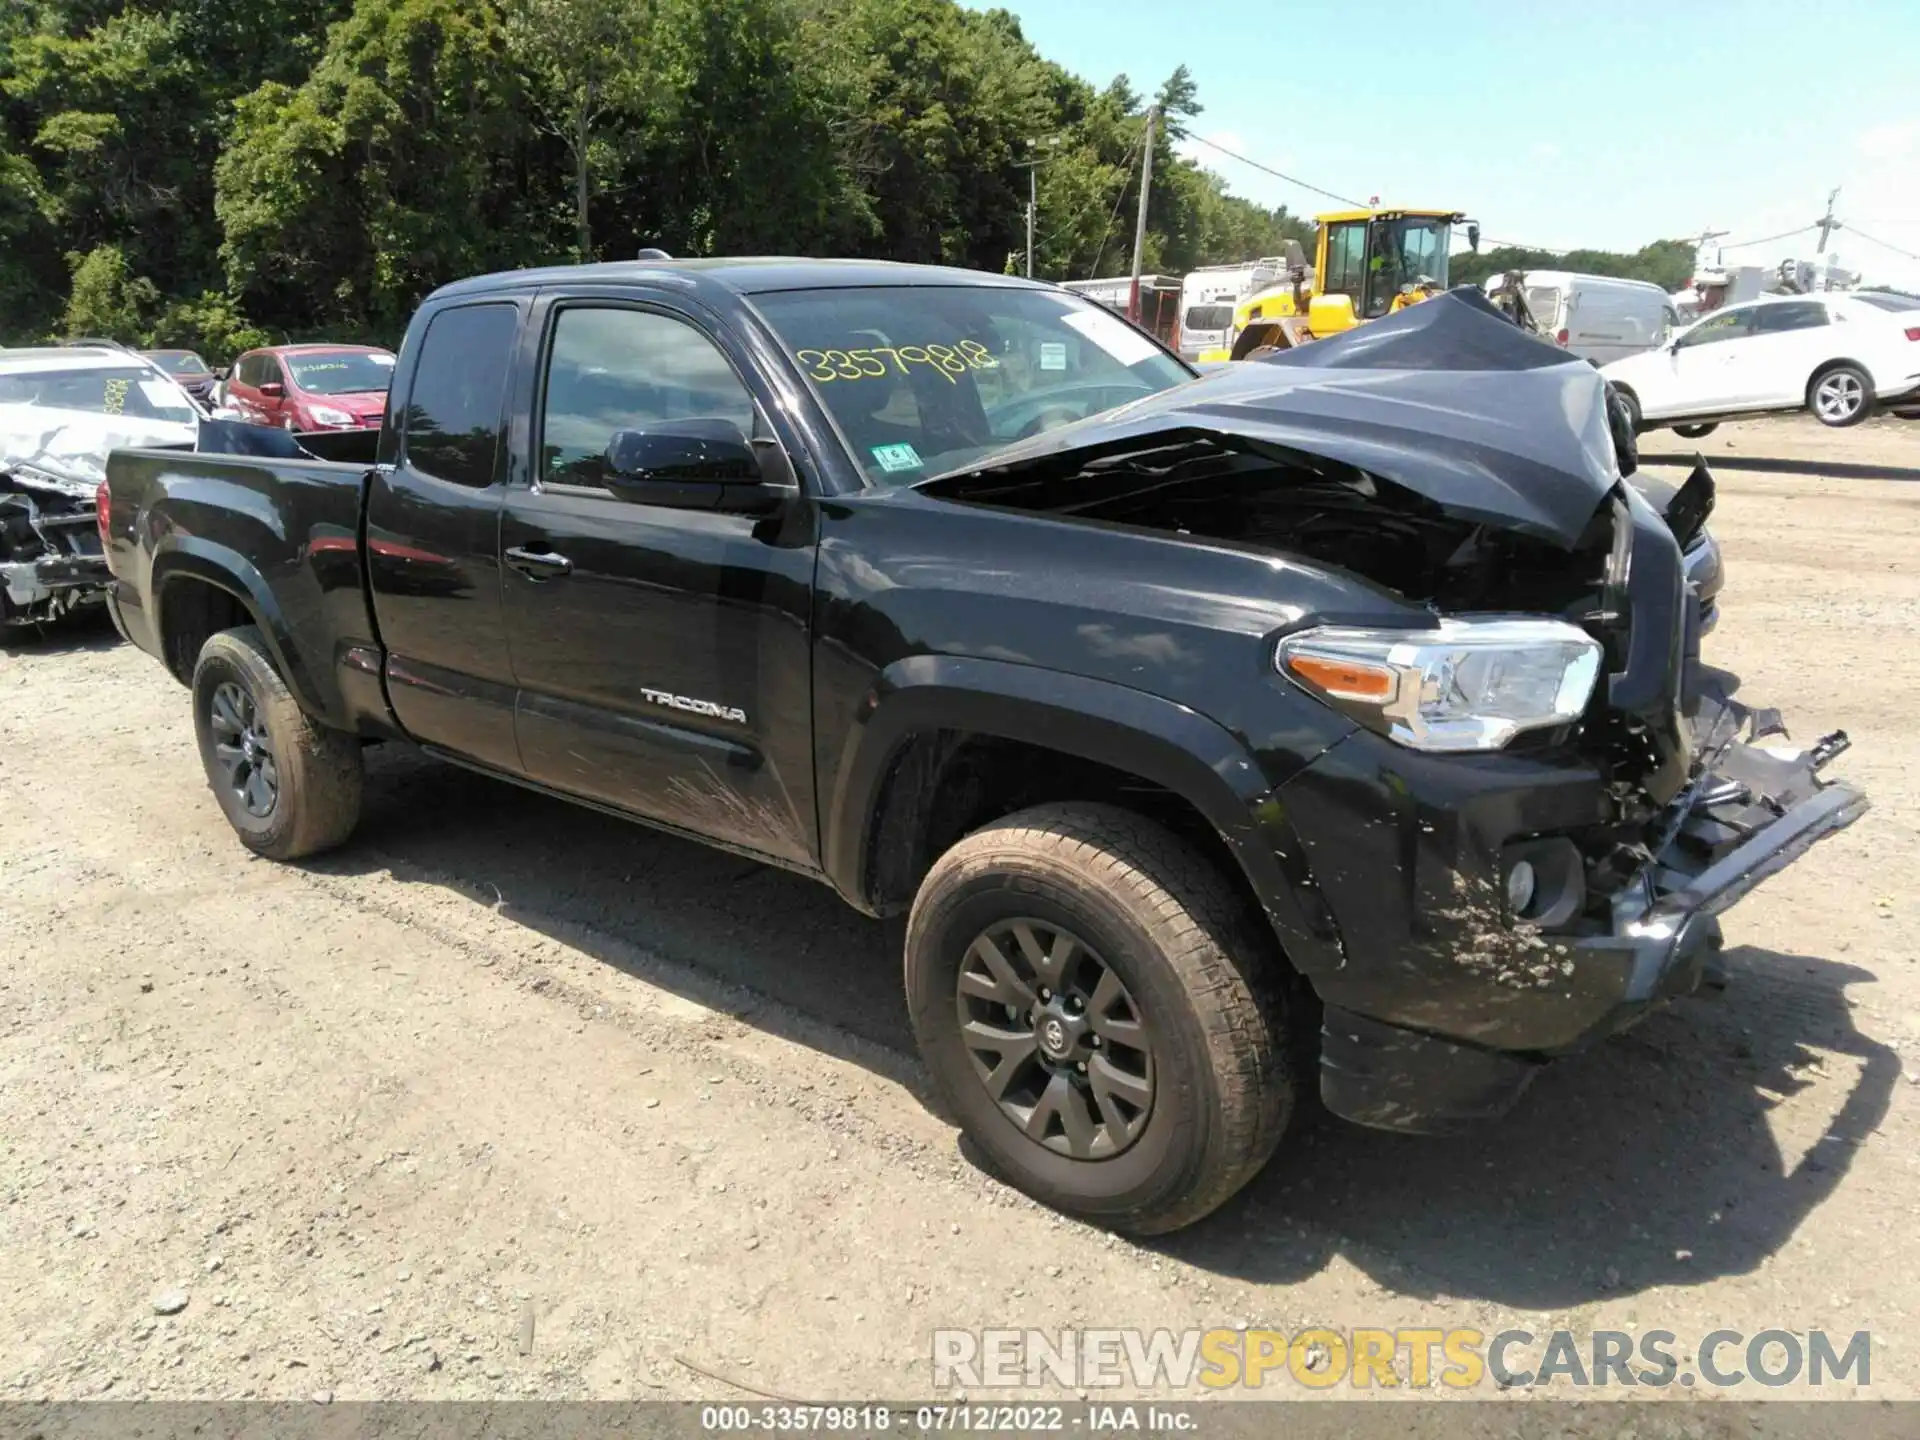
1343, 679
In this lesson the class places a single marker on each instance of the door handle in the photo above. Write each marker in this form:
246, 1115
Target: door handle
539, 564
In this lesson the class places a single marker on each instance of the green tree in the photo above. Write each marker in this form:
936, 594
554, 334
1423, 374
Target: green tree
401, 163
582, 63
108, 300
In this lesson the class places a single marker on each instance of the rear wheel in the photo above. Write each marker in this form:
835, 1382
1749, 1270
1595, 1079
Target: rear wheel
1840, 396
1097, 1009
1696, 432
288, 786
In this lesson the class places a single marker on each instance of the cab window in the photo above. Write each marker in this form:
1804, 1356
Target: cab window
1346, 260
1727, 325
615, 369
1793, 315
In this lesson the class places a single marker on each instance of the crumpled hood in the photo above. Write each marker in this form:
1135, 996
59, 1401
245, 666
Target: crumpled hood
1448, 399
71, 445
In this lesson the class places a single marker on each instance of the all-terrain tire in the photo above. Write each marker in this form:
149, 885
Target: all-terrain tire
1211, 989
317, 774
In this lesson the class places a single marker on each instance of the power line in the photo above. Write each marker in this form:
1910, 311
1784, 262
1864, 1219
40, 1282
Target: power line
1277, 174
1491, 244
1856, 230
1769, 239
1126, 173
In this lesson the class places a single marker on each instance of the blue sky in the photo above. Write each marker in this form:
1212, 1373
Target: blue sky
1601, 124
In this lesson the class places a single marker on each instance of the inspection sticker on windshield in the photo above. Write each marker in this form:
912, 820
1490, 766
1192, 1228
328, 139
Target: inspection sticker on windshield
381, 359
1053, 355
894, 458
1112, 335
160, 393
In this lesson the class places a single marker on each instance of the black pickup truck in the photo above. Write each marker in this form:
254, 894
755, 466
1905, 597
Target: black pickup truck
1336, 721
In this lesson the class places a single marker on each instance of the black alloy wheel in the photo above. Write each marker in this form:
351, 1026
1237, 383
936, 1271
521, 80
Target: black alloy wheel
243, 750
1056, 1038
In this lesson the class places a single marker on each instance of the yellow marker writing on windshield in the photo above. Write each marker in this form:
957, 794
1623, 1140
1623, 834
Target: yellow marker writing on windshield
948, 361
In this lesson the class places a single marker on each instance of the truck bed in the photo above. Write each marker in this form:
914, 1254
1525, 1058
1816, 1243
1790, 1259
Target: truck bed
184, 523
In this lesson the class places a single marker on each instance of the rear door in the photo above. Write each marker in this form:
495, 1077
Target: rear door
1790, 339
663, 656
433, 532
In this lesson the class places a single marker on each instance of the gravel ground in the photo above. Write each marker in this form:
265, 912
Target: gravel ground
510, 1099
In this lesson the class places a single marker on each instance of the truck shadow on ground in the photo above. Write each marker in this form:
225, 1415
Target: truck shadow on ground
1836, 469
1648, 1161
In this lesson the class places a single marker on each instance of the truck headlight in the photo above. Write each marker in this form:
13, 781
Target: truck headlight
1462, 685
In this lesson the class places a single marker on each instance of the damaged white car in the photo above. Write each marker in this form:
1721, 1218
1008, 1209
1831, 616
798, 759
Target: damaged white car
61, 411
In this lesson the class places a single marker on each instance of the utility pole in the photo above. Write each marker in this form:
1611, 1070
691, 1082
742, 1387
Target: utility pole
1033, 199
1827, 223
1140, 224
1032, 166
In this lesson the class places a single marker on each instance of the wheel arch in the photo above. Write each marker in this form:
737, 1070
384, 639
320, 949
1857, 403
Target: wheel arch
934, 724
1827, 367
200, 588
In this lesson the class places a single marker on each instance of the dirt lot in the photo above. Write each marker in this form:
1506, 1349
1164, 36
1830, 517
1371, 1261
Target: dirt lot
512, 1099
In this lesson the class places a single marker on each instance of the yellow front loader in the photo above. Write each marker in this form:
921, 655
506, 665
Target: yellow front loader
1367, 263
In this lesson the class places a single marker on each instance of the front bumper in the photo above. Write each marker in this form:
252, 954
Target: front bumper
1444, 1010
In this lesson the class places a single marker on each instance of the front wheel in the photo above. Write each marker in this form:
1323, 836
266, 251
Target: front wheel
1841, 396
1097, 1008
289, 787
1696, 432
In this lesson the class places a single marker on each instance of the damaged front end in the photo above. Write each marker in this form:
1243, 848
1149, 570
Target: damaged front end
1494, 885
51, 562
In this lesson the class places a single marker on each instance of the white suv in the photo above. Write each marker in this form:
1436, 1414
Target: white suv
1834, 354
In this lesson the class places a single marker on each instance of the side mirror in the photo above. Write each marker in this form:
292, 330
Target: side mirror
273, 390
702, 464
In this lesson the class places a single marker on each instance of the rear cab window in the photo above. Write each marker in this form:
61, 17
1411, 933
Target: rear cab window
456, 408
920, 380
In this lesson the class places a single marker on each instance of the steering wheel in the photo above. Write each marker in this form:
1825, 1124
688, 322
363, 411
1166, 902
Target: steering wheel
1047, 418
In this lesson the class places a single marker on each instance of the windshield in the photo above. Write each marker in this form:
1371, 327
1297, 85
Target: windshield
1208, 317
341, 372
1406, 252
133, 391
179, 362
924, 379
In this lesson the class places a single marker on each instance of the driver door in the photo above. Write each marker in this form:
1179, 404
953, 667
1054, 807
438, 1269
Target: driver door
662, 656
1703, 366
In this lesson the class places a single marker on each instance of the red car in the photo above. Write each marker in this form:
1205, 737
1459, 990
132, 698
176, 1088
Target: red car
312, 387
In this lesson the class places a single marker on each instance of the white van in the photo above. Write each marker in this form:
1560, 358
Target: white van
1207, 298
1597, 317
